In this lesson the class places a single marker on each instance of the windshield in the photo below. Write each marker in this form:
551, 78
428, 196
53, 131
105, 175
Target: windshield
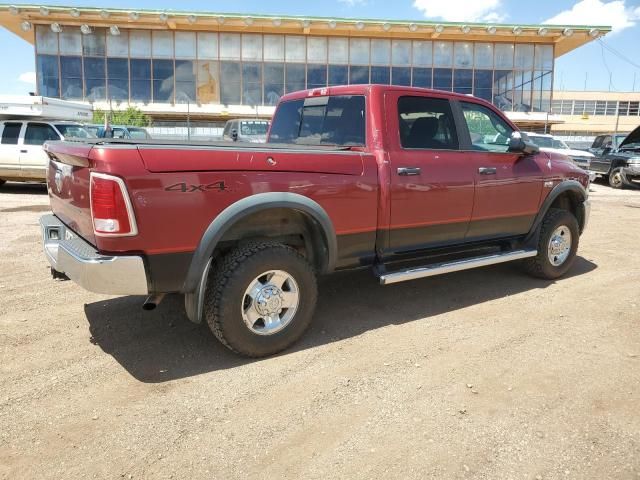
74, 131
543, 142
138, 133
254, 128
559, 144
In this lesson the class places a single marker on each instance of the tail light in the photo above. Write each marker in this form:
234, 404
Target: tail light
111, 209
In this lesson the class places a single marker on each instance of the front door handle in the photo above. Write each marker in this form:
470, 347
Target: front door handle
24, 151
407, 171
487, 171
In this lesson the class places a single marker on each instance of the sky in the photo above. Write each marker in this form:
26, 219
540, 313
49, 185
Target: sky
591, 66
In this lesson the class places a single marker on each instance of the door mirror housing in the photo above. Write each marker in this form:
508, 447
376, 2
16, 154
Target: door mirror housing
521, 144
234, 135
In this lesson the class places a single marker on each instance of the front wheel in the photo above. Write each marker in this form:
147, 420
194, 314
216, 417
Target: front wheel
616, 178
557, 245
260, 298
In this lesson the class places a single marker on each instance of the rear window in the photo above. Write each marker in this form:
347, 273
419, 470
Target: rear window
11, 133
38, 133
253, 128
336, 120
139, 133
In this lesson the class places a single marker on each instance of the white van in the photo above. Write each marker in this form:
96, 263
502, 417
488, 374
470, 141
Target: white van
22, 157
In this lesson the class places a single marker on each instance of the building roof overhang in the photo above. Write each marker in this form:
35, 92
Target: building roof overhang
20, 20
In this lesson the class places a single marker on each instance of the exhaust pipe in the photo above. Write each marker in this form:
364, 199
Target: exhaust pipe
152, 301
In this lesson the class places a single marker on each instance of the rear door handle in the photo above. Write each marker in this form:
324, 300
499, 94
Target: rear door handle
487, 171
407, 171
23, 151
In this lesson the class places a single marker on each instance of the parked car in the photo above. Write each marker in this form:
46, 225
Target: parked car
243, 130
621, 165
22, 158
119, 131
406, 181
548, 143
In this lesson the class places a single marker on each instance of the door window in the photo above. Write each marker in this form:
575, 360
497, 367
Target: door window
38, 133
426, 123
488, 131
11, 133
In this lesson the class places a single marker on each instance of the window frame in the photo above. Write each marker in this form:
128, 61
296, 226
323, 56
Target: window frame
19, 138
40, 124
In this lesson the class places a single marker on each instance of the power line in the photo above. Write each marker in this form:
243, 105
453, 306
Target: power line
604, 62
618, 54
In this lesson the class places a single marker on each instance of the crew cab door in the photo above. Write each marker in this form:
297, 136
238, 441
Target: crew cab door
33, 159
508, 185
431, 181
9, 149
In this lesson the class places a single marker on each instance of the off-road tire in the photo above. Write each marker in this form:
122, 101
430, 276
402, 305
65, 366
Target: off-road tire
616, 178
540, 266
229, 278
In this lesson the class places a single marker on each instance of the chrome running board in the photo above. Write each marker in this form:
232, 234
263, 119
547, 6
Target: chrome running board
454, 266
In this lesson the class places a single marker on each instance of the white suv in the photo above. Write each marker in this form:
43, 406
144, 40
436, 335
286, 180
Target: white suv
22, 157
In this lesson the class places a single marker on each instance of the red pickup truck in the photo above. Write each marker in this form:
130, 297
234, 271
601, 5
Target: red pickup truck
408, 182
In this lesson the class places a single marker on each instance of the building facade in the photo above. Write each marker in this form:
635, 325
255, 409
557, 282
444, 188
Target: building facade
214, 65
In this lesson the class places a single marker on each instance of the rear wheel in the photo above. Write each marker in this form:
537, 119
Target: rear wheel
261, 298
557, 245
616, 178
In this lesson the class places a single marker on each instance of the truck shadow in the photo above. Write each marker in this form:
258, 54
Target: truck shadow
22, 188
163, 345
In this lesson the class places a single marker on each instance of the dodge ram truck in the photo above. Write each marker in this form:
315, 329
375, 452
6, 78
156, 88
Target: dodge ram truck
407, 182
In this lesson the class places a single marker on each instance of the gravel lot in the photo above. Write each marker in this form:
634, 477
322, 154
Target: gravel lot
478, 374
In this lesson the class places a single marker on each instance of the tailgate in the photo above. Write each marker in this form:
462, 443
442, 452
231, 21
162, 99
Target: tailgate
68, 185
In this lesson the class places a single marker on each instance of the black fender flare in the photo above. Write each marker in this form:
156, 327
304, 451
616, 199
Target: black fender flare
195, 282
564, 186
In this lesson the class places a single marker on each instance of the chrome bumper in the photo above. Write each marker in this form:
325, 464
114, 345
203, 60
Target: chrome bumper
69, 254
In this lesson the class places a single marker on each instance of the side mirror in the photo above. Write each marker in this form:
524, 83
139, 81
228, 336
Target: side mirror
234, 135
521, 144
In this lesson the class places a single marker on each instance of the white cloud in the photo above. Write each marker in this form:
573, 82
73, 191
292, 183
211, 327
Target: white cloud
596, 12
353, 3
28, 77
462, 10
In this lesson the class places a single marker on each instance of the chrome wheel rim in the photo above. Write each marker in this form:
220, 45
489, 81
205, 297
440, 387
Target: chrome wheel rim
559, 245
270, 302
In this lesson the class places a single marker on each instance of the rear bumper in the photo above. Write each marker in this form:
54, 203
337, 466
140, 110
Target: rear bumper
81, 262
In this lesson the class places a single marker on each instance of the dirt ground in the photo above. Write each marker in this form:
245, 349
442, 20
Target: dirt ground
479, 374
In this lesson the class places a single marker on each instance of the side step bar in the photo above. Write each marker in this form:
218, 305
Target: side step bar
454, 266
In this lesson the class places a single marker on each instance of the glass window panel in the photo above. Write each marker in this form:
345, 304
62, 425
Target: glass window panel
503, 89
273, 82
162, 44
140, 43
633, 108
463, 55
316, 75
426, 123
524, 56
463, 81
358, 74
381, 75
185, 45
545, 105
140, 69
317, 50
601, 107
38, 133
523, 89
422, 53
482, 84
95, 85
46, 40
251, 47
48, 75
274, 48
118, 45
488, 131
590, 107
229, 46
93, 45
207, 46
504, 55
295, 48
71, 77
185, 81
294, 77
208, 86
556, 106
400, 52
422, 77
252, 83
71, 41
401, 76
230, 86
612, 107
338, 51
623, 108
118, 78
163, 79
483, 55
442, 78
443, 54
380, 52
338, 74
484, 93
359, 51
544, 57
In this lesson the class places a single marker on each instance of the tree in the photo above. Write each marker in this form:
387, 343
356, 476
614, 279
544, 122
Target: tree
132, 116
